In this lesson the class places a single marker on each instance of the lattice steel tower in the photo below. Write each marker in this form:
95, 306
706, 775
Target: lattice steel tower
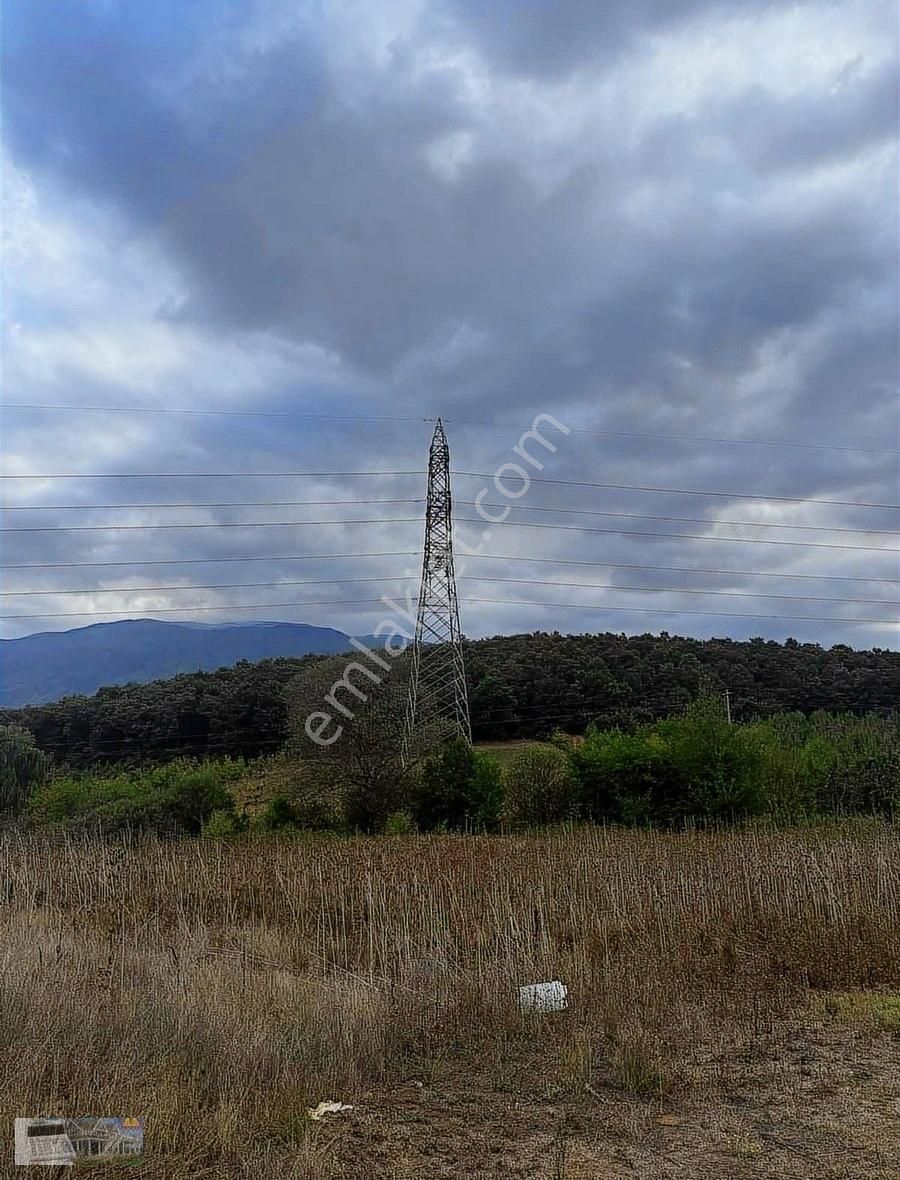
438, 702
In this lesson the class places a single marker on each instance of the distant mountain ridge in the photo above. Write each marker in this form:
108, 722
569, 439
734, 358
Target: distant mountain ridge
49, 665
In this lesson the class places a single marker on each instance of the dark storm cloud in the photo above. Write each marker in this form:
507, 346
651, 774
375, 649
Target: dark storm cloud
481, 219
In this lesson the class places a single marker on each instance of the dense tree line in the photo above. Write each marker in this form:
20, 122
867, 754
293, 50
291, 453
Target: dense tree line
694, 767
519, 685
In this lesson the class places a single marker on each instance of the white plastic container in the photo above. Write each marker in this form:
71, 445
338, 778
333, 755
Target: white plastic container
543, 997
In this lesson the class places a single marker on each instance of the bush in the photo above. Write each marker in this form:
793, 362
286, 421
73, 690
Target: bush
23, 767
827, 764
693, 766
793, 766
309, 802
717, 765
625, 777
192, 798
180, 796
278, 813
400, 823
459, 789
222, 824
864, 784
540, 787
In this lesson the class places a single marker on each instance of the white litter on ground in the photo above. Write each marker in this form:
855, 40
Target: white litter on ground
319, 1112
543, 997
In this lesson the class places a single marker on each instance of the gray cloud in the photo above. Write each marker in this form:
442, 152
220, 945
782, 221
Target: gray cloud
483, 211
543, 38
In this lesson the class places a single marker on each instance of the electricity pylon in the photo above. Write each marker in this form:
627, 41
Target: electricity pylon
438, 702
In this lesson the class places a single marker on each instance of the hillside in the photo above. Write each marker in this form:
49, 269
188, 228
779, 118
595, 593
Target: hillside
53, 664
519, 686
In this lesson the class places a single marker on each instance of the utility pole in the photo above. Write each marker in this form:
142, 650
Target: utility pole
728, 705
438, 701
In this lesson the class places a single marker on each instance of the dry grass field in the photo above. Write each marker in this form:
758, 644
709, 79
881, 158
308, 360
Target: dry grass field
733, 1002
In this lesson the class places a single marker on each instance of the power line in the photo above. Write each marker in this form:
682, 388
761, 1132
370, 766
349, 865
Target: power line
756, 524
190, 610
596, 433
208, 504
248, 524
677, 569
702, 438
208, 474
78, 745
627, 487
220, 413
464, 578
474, 474
598, 608
224, 586
506, 557
414, 500
522, 524
682, 590
40, 565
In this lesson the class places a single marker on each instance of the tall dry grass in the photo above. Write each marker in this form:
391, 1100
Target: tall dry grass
220, 988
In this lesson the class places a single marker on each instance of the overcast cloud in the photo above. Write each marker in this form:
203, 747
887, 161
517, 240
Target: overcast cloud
653, 218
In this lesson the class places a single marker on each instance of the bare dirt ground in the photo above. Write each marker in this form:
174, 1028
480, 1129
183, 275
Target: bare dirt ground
816, 1099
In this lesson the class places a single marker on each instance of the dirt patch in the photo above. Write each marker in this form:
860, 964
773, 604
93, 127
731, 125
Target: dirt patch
816, 1098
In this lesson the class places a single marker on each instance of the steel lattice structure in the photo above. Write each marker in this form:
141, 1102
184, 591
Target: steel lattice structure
438, 701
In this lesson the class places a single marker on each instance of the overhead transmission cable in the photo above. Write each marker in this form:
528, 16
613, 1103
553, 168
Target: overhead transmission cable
521, 524
728, 494
596, 432
761, 524
597, 608
505, 557
143, 590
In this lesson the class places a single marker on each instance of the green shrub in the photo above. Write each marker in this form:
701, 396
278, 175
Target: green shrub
177, 797
827, 764
309, 801
278, 813
400, 823
192, 798
793, 765
870, 783
625, 777
459, 789
540, 787
222, 824
696, 765
23, 767
717, 765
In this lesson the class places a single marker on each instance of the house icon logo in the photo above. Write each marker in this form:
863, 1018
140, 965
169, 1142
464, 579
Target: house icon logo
59, 1141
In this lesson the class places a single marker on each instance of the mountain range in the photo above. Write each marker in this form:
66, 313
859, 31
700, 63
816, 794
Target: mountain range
52, 664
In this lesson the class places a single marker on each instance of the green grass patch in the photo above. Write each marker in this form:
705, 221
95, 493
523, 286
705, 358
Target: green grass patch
881, 1009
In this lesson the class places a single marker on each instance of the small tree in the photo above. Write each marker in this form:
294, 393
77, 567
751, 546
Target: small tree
719, 765
459, 788
540, 787
22, 768
347, 727
626, 777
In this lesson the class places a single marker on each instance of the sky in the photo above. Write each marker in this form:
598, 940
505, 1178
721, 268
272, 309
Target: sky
670, 224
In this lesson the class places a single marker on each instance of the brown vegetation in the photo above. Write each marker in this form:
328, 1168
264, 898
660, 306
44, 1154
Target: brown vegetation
219, 989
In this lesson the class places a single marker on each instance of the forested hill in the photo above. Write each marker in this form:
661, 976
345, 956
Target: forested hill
519, 686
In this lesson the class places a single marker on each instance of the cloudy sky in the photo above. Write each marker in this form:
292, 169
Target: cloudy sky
668, 223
